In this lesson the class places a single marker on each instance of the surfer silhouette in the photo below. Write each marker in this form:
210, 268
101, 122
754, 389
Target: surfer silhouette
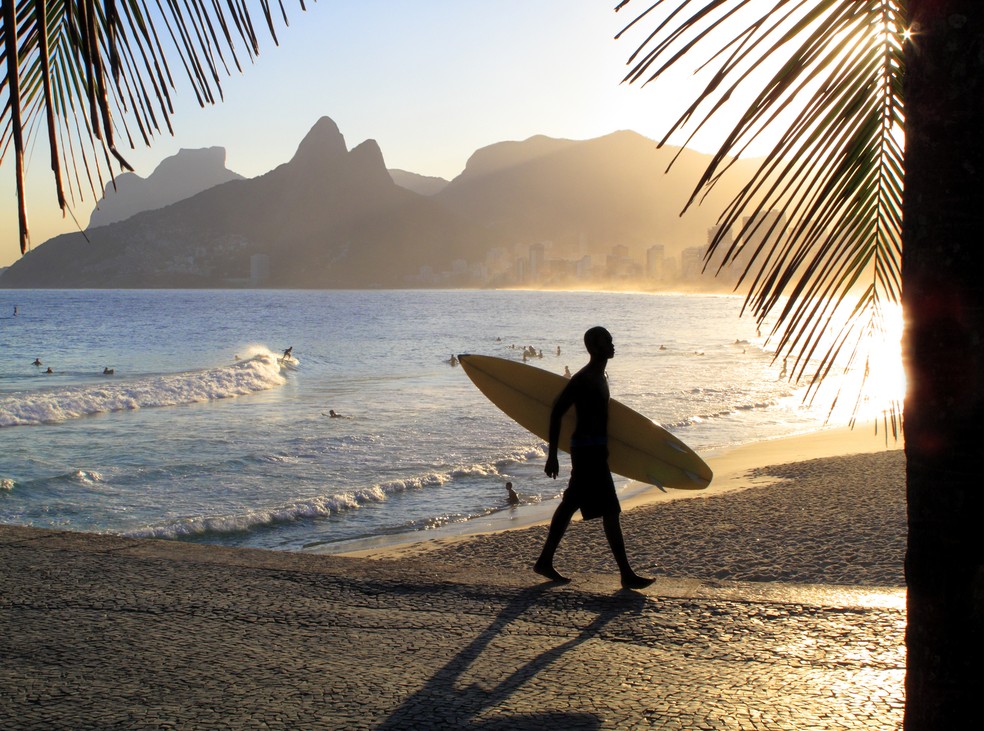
288, 353
591, 489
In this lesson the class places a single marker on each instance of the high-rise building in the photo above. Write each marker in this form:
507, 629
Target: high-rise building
691, 263
537, 260
656, 263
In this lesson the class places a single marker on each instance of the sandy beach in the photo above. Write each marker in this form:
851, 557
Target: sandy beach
823, 508
778, 605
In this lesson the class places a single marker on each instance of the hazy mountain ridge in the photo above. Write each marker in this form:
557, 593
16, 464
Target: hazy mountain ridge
177, 177
333, 217
610, 190
423, 184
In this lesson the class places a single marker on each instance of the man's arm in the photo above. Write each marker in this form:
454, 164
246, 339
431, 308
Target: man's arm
560, 407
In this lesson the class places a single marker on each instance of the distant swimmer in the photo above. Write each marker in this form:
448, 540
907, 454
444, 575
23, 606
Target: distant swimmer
37, 362
662, 347
512, 498
453, 361
49, 370
15, 310
108, 371
288, 354
332, 414
558, 351
567, 372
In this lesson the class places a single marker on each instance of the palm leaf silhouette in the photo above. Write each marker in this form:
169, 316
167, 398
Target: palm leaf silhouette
827, 80
82, 72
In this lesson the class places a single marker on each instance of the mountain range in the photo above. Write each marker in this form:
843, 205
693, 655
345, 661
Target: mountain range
337, 218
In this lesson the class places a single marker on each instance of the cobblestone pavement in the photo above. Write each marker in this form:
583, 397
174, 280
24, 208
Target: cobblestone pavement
110, 633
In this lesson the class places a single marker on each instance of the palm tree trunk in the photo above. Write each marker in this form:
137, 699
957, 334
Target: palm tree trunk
943, 300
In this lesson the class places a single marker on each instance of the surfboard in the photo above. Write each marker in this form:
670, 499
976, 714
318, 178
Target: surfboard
638, 448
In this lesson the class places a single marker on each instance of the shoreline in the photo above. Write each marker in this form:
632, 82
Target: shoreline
735, 468
824, 508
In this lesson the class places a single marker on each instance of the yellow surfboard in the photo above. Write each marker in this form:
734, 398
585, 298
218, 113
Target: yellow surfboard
637, 448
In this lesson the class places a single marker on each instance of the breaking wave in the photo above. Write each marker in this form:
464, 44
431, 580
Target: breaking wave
258, 373
324, 506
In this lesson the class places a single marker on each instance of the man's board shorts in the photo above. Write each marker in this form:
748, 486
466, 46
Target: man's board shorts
591, 488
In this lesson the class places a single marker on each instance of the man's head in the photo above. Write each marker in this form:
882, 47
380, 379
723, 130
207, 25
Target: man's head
599, 342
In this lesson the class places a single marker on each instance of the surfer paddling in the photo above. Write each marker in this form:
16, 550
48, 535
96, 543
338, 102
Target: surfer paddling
591, 489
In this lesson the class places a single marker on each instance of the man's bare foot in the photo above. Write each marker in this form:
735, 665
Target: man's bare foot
634, 581
550, 572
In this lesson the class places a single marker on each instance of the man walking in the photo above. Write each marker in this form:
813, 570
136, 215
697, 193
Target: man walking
591, 489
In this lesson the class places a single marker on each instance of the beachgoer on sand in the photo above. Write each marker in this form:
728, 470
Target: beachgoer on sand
512, 498
591, 489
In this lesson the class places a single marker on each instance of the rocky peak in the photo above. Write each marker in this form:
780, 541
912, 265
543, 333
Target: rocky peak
323, 144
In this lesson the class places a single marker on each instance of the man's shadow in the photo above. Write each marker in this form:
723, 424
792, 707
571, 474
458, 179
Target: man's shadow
441, 695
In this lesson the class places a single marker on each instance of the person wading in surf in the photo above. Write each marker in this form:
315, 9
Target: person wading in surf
591, 489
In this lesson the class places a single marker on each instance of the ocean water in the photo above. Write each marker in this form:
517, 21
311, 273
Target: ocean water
200, 434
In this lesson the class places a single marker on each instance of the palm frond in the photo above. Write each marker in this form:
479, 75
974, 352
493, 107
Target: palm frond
819, 224
80, 72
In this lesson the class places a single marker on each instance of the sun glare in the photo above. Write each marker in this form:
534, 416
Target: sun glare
873, 385
886, 383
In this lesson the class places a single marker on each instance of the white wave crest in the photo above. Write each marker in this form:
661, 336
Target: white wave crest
258, 373
311, 508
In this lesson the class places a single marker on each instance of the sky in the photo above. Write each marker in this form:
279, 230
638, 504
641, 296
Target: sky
431, 81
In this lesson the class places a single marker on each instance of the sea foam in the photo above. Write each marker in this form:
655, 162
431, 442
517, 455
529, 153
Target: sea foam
324, 506
258, 373
310, 508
